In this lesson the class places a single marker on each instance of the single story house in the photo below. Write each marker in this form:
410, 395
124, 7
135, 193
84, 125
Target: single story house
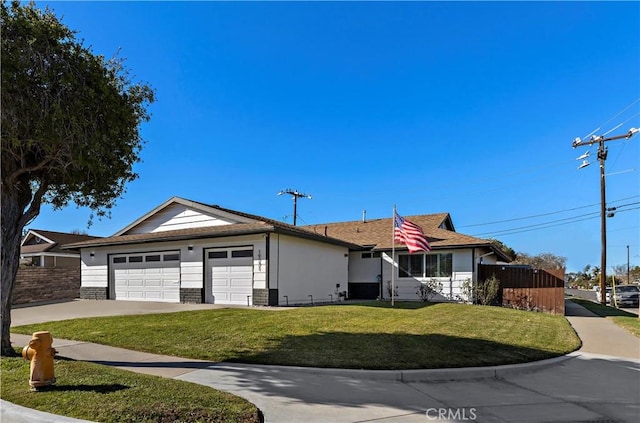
41, 248
186, 251
452, 261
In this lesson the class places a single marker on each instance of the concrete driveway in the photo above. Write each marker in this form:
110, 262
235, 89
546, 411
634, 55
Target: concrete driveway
584, 387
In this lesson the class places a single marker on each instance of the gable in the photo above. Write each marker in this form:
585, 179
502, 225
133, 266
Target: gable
33, 238
177, 216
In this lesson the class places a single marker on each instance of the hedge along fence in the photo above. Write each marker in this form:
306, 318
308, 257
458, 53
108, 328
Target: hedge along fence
526, 288
42, 284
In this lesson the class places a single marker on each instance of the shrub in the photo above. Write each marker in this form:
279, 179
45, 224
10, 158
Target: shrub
427, 290
487, 291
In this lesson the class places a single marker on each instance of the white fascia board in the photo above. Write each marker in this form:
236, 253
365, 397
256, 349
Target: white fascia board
35, 234
45, 253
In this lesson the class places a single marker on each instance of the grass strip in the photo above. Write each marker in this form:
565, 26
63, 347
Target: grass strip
105, 394
365, 336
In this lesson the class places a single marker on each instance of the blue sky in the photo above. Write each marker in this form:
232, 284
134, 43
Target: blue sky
466, 108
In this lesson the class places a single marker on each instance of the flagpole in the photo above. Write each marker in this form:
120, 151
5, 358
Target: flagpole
393, 255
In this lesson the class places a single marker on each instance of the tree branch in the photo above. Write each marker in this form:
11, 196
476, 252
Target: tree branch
34, 206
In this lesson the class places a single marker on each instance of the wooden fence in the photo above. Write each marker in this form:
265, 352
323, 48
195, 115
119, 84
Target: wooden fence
526, 288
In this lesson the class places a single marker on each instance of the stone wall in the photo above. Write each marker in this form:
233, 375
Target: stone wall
42, 284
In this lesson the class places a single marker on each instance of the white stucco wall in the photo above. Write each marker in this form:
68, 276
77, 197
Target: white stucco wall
363, 269
463, 269
301, 267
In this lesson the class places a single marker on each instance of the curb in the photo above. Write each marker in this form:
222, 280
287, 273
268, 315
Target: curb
13, 413
406, 376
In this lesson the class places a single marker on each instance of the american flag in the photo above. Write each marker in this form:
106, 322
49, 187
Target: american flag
410, 234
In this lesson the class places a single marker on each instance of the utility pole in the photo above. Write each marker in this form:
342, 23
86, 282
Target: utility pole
295, 194
602, 156
628, 272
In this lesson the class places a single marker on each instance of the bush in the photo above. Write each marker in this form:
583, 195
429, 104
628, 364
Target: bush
467, 291
427, 290
487, 291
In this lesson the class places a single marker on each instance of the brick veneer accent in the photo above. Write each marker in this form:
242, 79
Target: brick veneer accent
93, 293
41, 284
191, 295
265, 297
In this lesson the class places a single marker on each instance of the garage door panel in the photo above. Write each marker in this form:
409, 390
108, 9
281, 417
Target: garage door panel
147, 280
240, 283
239, 298
231, 277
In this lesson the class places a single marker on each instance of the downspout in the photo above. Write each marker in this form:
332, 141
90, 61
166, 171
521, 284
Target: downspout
381, 276
474, 274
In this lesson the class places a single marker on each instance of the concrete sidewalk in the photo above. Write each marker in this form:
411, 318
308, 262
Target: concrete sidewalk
579, 387
600, 335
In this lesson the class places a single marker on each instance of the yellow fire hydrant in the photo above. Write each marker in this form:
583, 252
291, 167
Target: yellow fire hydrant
41, 354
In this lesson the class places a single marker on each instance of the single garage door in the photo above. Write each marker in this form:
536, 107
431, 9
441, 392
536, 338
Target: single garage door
147, 276
231, 275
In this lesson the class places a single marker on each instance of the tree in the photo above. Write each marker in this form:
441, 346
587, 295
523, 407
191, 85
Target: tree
70, 129
504, 247
620, 272
546, 261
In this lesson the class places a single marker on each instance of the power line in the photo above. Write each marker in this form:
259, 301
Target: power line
547, 225
528, 217
543, 214
538, 224
612, 118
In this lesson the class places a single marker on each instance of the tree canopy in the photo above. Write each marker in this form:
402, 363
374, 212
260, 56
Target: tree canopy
546, 261
70, 128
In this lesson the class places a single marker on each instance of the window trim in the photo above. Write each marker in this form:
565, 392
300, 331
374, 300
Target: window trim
406, 270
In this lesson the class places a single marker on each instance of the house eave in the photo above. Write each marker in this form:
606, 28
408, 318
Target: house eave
204, 234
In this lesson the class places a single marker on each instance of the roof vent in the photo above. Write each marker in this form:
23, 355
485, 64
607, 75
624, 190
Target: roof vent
364, 216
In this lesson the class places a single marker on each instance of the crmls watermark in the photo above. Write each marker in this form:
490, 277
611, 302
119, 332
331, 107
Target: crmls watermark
452, 414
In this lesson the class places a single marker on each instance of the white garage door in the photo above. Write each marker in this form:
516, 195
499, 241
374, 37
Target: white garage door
147, 276
231, 275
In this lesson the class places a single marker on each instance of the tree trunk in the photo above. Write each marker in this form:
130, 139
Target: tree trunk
13, 221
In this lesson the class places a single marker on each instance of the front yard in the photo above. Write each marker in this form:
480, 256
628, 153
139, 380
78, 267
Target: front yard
366, 336
99, 393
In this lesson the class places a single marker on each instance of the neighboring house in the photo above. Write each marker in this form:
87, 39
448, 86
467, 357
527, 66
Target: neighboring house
185, 251
41, 248
452, 261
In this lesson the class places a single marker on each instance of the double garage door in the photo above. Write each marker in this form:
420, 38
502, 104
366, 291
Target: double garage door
153, 276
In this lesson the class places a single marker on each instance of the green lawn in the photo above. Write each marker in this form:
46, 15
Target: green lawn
100, 393
622, 318
368, 336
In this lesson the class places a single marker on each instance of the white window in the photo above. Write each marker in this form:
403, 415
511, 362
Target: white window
425, 265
